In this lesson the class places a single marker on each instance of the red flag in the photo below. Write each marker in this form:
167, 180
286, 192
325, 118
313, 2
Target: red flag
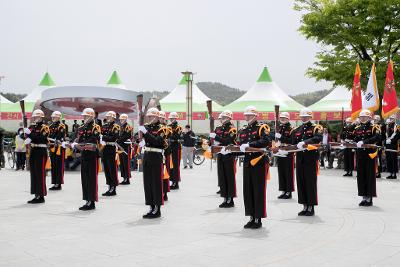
356, 102
389, 101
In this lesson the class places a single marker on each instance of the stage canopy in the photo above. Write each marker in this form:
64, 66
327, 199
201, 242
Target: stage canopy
264, 95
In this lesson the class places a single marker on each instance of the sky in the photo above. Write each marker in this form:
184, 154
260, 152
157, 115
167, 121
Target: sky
80, 42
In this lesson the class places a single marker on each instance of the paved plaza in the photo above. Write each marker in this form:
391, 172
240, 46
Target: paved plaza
193, 231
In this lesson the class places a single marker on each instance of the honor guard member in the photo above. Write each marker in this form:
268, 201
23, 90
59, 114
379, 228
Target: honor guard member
37, 135
366, 133
255, 167
348, 153
153, 143
377, 120
57, 150
109, 136
285, 164
176, 150
307, 162
393, 134
125, 142
167, 155
226, 135
217, 143
87, 142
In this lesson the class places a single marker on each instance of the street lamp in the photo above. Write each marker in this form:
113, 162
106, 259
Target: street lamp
189, 96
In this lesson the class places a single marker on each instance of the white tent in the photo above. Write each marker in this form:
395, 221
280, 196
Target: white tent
4, 100
338, 99
36, 94
264, 95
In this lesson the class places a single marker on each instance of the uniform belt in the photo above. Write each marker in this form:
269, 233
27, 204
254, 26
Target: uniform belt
128, 143
110, 143
153, 149
38, 145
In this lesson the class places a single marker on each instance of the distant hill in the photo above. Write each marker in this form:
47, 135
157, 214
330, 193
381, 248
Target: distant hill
310, 98
220, 93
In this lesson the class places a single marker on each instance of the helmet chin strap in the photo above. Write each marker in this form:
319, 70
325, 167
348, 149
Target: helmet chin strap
225, 121
251, 120
88, 120
152, 121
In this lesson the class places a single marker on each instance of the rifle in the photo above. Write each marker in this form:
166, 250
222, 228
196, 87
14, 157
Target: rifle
337, 145
209, 108
285, 149
139, 99
276, 119
236, 149
90, 147
24, 118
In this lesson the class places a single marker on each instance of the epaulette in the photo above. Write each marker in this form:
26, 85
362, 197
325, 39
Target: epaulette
318, 127
264, 127
45, 128
294, 129
62, 125
398, 128
376, 128
116, 126
96, 128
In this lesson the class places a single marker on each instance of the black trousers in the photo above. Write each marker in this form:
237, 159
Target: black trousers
254, 188
153, 178
21, 159
227, 174
286, 173
306, 173
366, 170
110, 168
391, 162
125, 163
37, 168
348, 159
57, 167
89, 172
380, 162
176, 153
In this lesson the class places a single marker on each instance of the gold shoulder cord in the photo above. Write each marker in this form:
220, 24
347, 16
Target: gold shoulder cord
264, 127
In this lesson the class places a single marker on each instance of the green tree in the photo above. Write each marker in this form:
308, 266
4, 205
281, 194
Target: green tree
351, 31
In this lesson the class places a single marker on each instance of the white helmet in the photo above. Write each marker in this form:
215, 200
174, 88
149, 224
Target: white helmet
153, 112
284, 115
305, 112
123, 116
88, 112
56, 114
227, 113
393, 116
38, 113
377, 117
365, 113
111, 114
348, 120
173, 115
162, 115
250, 110
220, 116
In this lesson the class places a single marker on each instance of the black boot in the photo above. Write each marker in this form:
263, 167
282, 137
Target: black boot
156, 213
281, 196
165, 197
249, 224
287, 195
125, 182
146, 216
304, 211
257, 223
37, 200
310, 211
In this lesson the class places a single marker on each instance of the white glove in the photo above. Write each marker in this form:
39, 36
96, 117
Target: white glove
102, 143
360, 143
27, 131
142, 129
224, 152
216, 143
388, 141
278, 143
63, 144
300, 145
243, 147
142, 143
73, 145
212, 135
27, 141
278, 135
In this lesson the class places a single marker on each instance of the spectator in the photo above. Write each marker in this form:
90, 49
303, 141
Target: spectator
326, 139
66, 127
20, 149
189, 139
